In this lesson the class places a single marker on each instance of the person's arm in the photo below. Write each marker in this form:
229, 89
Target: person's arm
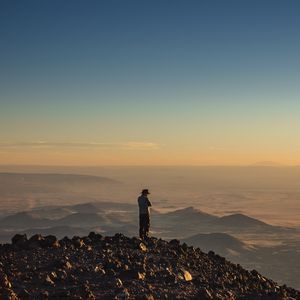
149, 203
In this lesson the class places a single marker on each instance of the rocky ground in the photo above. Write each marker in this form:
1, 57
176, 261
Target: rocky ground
118, 267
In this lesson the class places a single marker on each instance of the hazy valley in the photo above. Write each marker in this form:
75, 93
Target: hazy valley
249, 215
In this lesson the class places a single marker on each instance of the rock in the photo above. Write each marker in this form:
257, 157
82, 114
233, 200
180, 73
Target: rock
50, 241
146, 297
35, 241
204, 294
132, 274
186, 275
67, 265
117, 283
65, 242
119, 236
36, 238
86, 292
142, 247
123, 294
151, 242
119, 267
99, 270
167, 276
113, 265
62, 294
141, 276
110, 272
4, 282
61, 275
78, 242
184, 247
53, 276
49, 281
94, 236
24, 294
19, 239
44, 295
8, 294
174, 242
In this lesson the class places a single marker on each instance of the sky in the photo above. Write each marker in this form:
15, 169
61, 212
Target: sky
149, 82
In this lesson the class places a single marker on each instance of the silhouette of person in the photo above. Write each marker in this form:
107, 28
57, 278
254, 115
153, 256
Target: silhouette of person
144, 211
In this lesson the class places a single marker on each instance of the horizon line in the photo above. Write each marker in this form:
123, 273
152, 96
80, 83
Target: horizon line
150, 166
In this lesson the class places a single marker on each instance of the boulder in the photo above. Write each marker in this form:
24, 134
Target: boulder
185, 275
4, 281
50, 241
19, 239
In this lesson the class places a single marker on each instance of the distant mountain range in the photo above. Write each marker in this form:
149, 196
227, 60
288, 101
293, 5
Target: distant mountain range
51, 178
20, 191
41, 180
188, 221
181, 222
190, 225
24, 220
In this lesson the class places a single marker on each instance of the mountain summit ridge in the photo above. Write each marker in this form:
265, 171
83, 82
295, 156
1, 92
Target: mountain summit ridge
119, 267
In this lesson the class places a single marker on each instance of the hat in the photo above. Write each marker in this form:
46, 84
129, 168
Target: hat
145, 191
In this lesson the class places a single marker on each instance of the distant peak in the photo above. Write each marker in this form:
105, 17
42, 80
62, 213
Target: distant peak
241, 220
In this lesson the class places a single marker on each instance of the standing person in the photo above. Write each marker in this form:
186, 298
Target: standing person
144, 205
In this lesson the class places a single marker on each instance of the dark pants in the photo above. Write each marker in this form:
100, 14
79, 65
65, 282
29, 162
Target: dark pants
144, 225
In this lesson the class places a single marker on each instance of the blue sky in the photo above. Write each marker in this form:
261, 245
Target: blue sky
189, 76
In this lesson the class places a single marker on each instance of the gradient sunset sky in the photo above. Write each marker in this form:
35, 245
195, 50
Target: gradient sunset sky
149, 82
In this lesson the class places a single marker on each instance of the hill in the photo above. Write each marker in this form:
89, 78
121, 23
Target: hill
82, 220
240, 221
221, 243
118, 267
22, 220
189, 213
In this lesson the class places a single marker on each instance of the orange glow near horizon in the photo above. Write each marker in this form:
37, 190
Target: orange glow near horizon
143, 157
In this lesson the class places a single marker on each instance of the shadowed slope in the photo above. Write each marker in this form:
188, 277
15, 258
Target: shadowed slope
118, 267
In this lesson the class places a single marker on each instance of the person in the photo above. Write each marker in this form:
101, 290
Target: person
144, 212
